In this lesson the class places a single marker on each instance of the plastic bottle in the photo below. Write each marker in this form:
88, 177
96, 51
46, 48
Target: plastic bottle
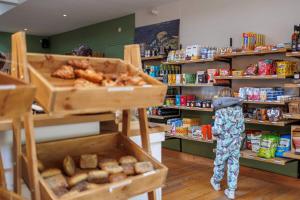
298, 38
294, 38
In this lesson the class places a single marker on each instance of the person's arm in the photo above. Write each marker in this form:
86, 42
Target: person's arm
218, 124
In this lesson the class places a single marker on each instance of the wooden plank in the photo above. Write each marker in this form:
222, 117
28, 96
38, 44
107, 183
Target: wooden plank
293, 54
189, 138
253, 156
126, 120
292, 85
279, 123
2, 174
14, 57
17, 154
250, 53
291, 155
189, 108
291, 116
192, 85
32, 157
153, 58
181, 62
162, 117
266, 102
22, 57
250, 77
144, 129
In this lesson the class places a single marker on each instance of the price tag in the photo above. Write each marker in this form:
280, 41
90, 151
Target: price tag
120, 89
118, 185
277, 161
8, 87
274, 122
261, 121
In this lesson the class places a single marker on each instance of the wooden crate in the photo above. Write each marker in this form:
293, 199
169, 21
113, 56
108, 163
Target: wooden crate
111, 145
59, 96
6, 195
15, 97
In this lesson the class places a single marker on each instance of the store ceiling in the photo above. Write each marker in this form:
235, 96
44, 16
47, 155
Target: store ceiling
45, 17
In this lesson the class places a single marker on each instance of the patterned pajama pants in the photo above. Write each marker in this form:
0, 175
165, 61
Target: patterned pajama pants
228, 151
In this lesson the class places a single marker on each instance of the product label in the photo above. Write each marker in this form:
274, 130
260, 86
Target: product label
266, 144
7, 87
120, 89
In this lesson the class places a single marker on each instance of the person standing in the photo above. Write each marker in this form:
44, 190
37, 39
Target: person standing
228, 130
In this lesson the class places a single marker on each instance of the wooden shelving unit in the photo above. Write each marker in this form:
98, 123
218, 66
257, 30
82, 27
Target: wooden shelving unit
250, 53
189, 108
293, 54
189, 138
280, 123
248, 154
153, 58
292, 85
291, 155
192, 85
266, 102
182, 62
267, 77
162, 117
291, 116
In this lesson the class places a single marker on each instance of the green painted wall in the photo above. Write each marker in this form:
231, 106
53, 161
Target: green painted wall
101, 37
33, 43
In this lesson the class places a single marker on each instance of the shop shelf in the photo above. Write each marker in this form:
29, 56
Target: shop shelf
192, 85
182, 62
250, 53
162, 117
112, 145
189, 138
279, 123
248, 154
266, 102
153, 58
291, 155
251, 77
189, 108
293, 54
59, 96
291, 116
292, 85
15, 96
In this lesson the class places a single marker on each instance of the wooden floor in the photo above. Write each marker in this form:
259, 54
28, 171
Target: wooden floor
189, 176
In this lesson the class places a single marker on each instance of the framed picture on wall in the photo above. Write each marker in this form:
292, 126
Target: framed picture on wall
159, 36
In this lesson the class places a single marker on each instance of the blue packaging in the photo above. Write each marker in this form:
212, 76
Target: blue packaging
284, 145
177, 100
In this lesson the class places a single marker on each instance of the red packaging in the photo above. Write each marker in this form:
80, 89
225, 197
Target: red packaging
183, 100
190, 97
265, 67
209, 132
204, 132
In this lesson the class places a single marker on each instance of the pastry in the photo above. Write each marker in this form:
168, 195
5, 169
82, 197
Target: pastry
74, 180
113, 169
107, 162
80, 82
128, 169
127, 160
98, 176
50, 172
117, 177
41, 166
90, 75
80, 187
91, 186
88, 161
64, 72
143, 167
70, 194
80, 64
57, 181
69, 166
60, 191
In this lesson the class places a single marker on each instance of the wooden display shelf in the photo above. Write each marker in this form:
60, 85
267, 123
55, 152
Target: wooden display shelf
162, 117
251, 77
153, 58
291, 155
192, 85
190, 108
248, 154
291, 116
292, 85
280, 123
293, 54
182, 62
189, 138
250, 53
266, 102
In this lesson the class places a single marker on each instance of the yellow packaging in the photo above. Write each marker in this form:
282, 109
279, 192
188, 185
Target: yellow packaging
237, 73
285, 68
183, 131
190, 122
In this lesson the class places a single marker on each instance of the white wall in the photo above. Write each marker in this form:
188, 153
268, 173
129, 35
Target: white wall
212, 22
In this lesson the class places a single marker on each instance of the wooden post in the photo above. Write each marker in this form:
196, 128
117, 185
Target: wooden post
132, 55
2, 174
17, 153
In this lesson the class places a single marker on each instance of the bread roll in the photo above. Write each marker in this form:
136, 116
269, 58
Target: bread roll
143, 167
128, 169
69, 166
60, 191
41, 166
117, 177
80, 187
127, 160
107, 162
91, 186
113, 169
50, 172
57, 181
88, 161
98, 176
74, 180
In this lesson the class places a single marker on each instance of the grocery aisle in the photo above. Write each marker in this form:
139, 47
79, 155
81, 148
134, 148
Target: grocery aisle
188, 179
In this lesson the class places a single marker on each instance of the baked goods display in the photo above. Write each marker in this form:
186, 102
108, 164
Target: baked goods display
90, 171
85, 75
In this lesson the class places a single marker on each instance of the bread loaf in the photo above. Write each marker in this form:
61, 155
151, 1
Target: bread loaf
107, 162
88, 161
113, 169
128, 169
127, 160
69, 166
50, 172
98, 176
143, 167
74, 180
117, 177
